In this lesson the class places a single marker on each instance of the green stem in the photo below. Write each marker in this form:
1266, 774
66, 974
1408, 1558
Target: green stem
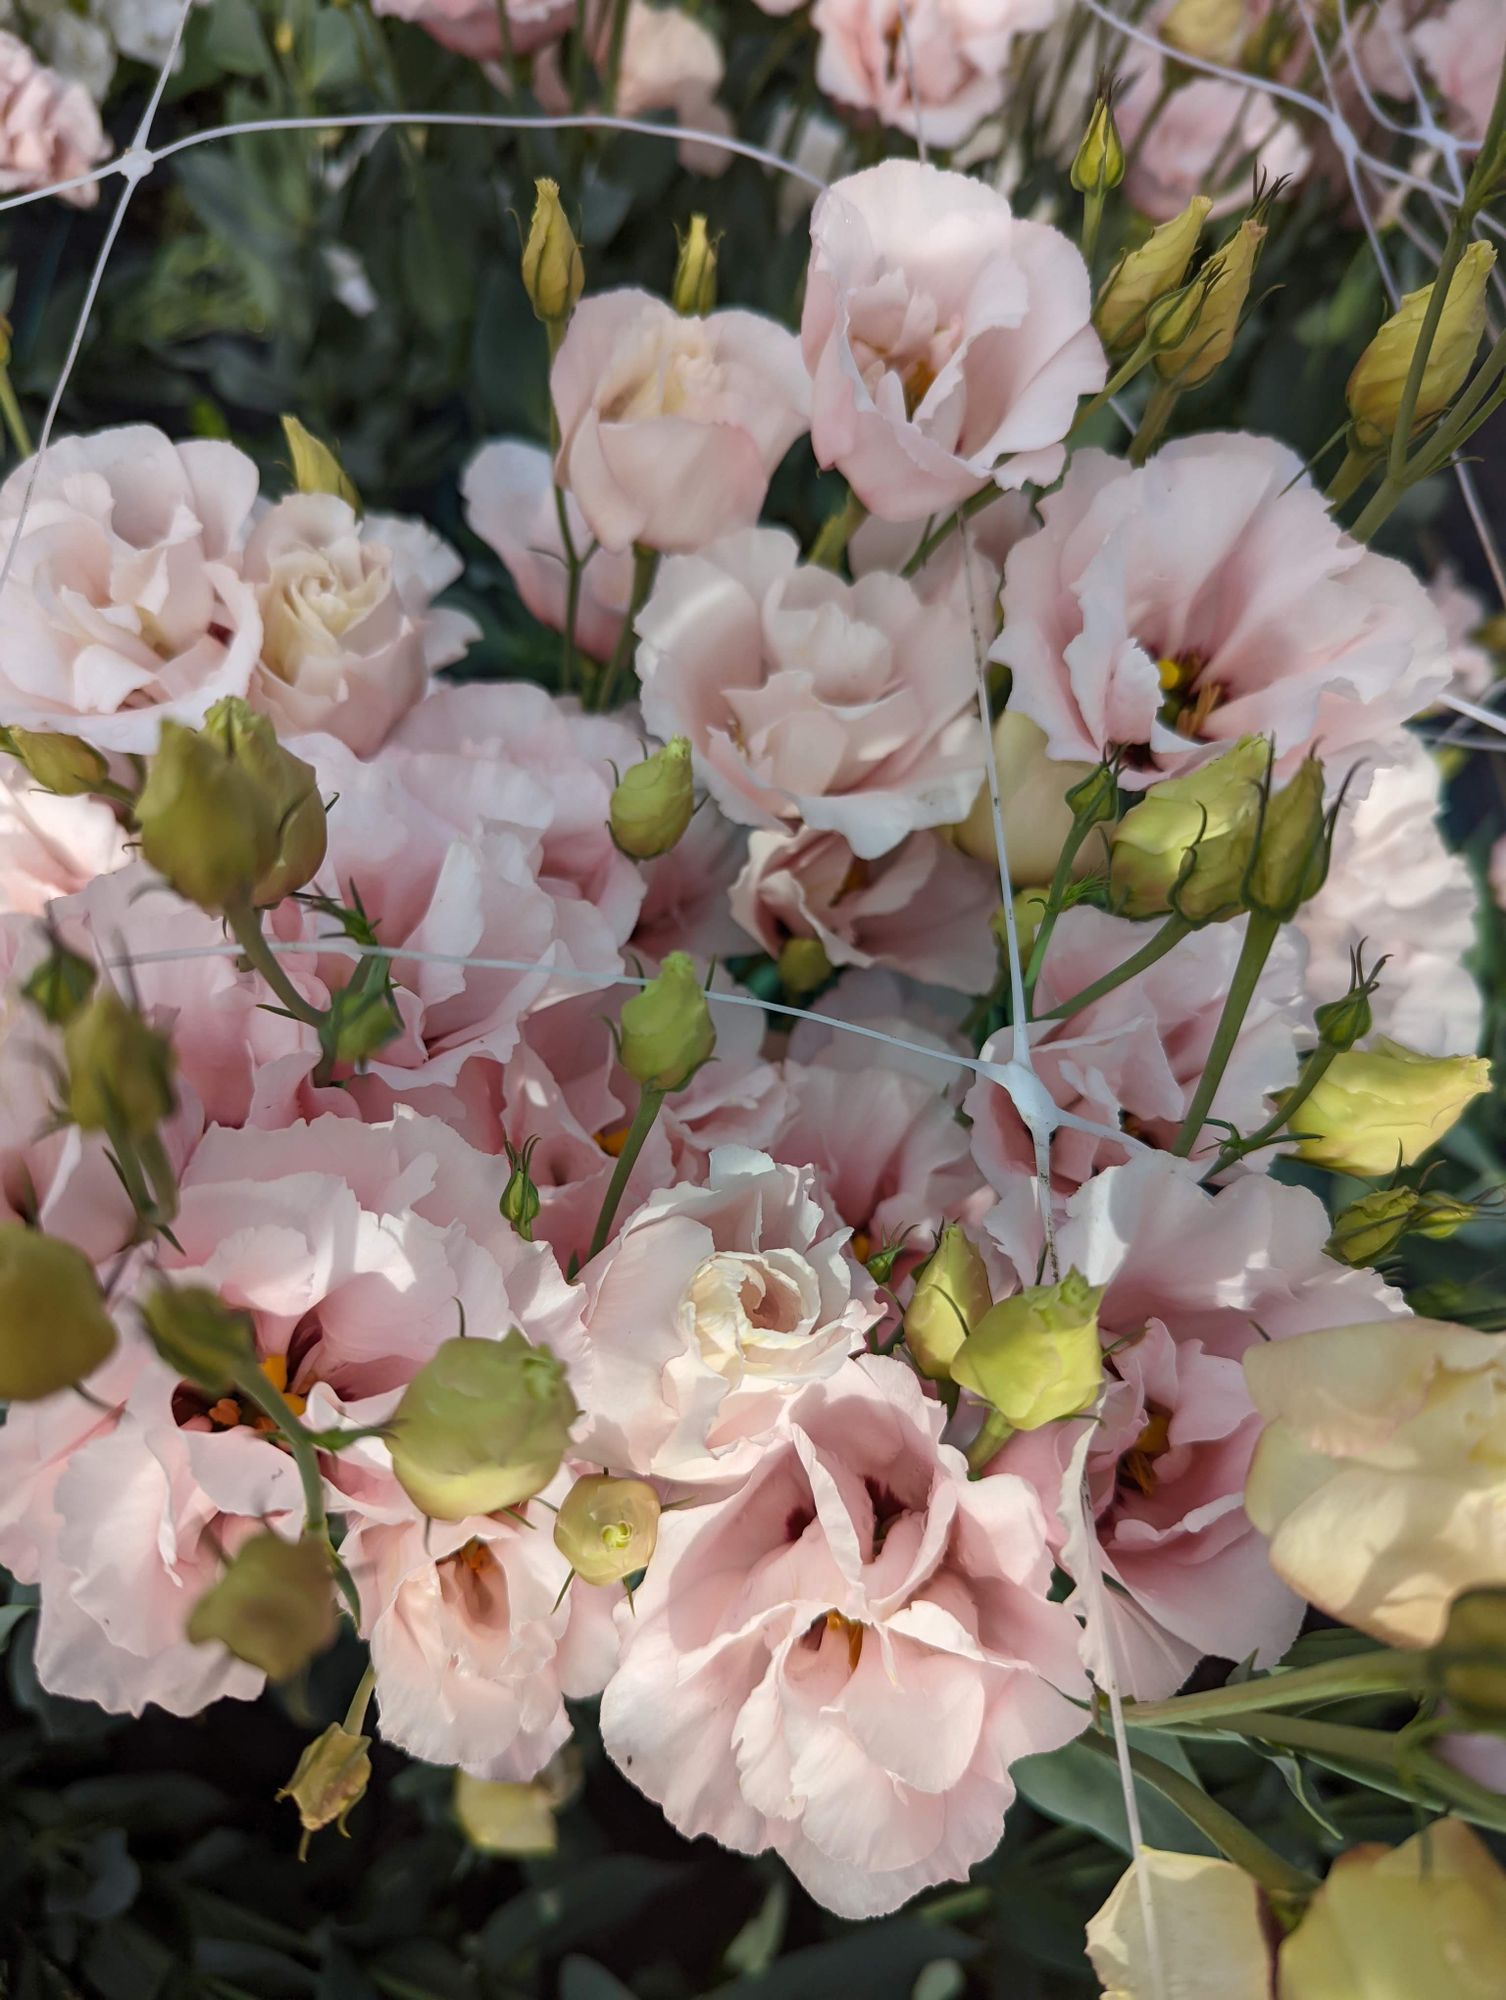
15, 423
1406, 410
1163, 400
256, 1389
1056, 897
995, 1430
1259, 938
932, 542
1350, 477
1378, 509
245, 928
649, 1100
1390, 1672
1165, 939
645, 562
837, 531
1306, 1084
1121, 378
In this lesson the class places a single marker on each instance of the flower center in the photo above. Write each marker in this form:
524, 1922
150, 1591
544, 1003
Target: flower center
852, 1629
1138, 1465
1190, 699
226, 1413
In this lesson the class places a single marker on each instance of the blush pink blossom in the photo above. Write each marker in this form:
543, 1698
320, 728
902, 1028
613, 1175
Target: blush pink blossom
686, 892
922, 908
1192, 1280
850, 706
49, 128
1215, 566
670, 427
859, 1645
471, 27
1473, 669
1207, 126
1463, 46
51, 846
948, 341
668, 60
510, 501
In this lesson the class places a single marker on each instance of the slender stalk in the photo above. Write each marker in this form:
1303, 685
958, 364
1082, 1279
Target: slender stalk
1378, 508
255, 1387
1259, 938
1164, 940
649, 1100
836, 532
645, 562
995, 1430
1350, 477
1306, 1084
1121, 378
15, 423
1163, 400
245, 927
1056, 897
573, 569
932, 542
1389, 1672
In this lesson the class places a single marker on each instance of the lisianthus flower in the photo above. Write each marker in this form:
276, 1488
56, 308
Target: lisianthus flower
49, 128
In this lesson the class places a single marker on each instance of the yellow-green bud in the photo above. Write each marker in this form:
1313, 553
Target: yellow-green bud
1189, 840
361, 1020
606, 1528
667, 1031
206, 825
120, 1071
54, 1329
199, 1336
1206, 345
60, 985
1374, 1110
520, 1198
1099, 162
1342, 1023
66, 765
501, 1818
329, 1781
1368, 1229
554, 274
1037, 1356
694, 290
273, 1607
1440, 1216
483, 1425
1379, 380
316, 469
1291, 857
1144, 275
653, 801
1212, 29
804, 966
951, 1296
1468, 1664
289, 790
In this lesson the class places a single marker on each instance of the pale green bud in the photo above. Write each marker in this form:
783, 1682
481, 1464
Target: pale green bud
120, 1071
54, 1329
606, 1528
1368, 1229
554, 274
361, 1020
1037, 1356
483, 1425
1188, 841
60, 985
66, 765
1468, 1664
289, 790
667, 1032
520, 1198
199, 1336
1374, 1110
206, 825
316, 469
1291, 857
1378, 383
273, 1607
653, 801
951, 1296
329, 1781
1151, 272
1099, 161
804, 966
1208, 343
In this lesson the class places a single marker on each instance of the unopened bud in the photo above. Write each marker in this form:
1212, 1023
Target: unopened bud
1193, 358
804, 966
501, 1818
694, 291
1144, 275
289, 791
554, 274
1379, 380
273, 1607
199, 1336
120, 1071
1099, 161
880, 1263
66, 765
1369, 1229
329, 1781
653, 801
54, 1329
1374, 1110
1342, 1023
1029, 914
667, 1033
483, 1425
951, 1296
1094, 800
60, 985
1291, 856
606, 1528
1440, 1216
1212, 29
316, 469
205, 824
1468, 1664
361, 1020
1037, 1356
1188, 841
520, 1198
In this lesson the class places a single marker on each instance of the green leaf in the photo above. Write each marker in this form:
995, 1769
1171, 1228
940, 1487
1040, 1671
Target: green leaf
879, 1961
1078, 1787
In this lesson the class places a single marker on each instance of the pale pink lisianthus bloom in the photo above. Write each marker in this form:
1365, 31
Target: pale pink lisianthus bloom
686, 892
848, 706
125, 601
948, 341
471, 27
1135, 1057
668, 61
711, 1306
1463, 613
1192, 1280
671, 427
511, 503
49, 128
1174, 146
51, 846
935, 69
922, 908
859, 1644
350, 633
1463, 47
985, 538
1394, 886
1215, 567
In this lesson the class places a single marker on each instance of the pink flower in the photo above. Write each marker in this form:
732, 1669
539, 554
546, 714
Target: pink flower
125, 602
922, 908
510, 501
471, 27
936, 69
712, 1305
685, 894
1463, 613
1216, 568
51, 846
49, 128
671, 427
668, 61
859, 1645
986, 537
1135, 1057
1394, 886
948, 341
849, 706
1174, 146
350, 635
1192, 1280
1464, 46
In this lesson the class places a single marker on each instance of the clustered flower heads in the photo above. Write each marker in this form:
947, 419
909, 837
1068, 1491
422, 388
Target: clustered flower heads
469, 1252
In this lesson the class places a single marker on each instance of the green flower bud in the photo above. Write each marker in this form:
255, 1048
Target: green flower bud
1291, 856
1468, 1664
1188, 842
606, 1528
54, 1329
1342, 1023
520, 1198
1374, 1110
1378, 383
289, 790
120, 1071
483, 1425
1207, 344
273, 1607
694, 290
65, 765
653, 802
1095, 799
1440, 1216
1148, 274
554, 274
329, 1781
667, 1031
804, 966
361, 1020
316, 469
206, 825
1037, 1356
951, 1296
1099, 161
1370, 1228
880, 1263
199, 1336
1213, 29
60, 985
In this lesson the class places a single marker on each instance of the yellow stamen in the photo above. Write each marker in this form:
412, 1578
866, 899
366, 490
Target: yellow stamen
612, 1139
835, 1622
862, 1245
1138, 1464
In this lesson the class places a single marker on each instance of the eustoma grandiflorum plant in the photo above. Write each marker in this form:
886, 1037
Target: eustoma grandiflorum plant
439, 1224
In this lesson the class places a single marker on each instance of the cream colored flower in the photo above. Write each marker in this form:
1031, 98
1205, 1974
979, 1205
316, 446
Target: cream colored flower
1208, 1925
1379, 1108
